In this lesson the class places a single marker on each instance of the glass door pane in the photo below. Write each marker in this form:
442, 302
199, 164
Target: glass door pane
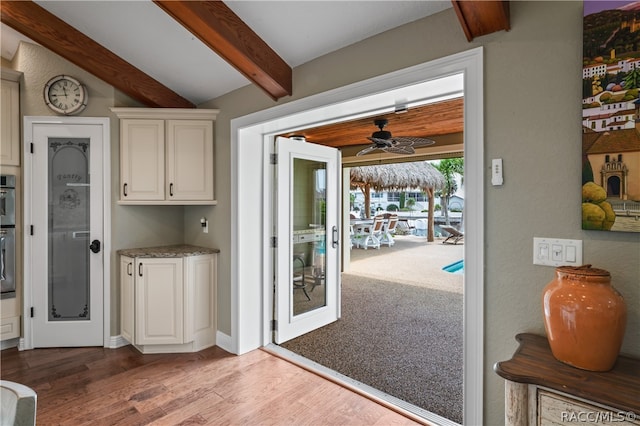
68, 238
309, 235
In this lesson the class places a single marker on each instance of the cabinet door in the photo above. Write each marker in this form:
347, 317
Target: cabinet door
159, 301
10, 124
189, 160
127, 299
200, 297
142, 160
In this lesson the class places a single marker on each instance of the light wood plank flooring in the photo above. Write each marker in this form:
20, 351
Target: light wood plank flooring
97, 386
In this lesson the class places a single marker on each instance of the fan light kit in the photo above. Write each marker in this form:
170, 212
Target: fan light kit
384, 141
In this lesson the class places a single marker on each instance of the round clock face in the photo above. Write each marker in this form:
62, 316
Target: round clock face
65, 95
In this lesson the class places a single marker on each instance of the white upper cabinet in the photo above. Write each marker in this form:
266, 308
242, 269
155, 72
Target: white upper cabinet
142, 161
10, 120
166, 155
190, 159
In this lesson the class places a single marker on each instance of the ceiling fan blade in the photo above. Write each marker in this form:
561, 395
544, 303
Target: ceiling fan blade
400, 142
399, 150
415, 142
367, 150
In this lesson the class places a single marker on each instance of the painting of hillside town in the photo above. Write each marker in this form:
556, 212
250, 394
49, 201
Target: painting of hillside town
611, 116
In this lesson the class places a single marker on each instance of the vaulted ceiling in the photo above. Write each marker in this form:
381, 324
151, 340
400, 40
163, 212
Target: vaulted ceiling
229, 37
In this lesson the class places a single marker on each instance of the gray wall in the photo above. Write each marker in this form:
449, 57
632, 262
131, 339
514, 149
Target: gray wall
532, 121
131, 226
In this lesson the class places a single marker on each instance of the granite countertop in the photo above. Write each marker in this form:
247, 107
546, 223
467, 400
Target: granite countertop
178, 250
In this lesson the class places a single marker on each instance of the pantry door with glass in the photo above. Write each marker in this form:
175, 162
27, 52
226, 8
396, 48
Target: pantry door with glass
64, 247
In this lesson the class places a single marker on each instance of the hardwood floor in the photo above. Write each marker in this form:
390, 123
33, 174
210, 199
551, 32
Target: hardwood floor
97, 386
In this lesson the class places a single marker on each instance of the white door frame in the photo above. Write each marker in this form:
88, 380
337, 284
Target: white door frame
251, 257
26, 342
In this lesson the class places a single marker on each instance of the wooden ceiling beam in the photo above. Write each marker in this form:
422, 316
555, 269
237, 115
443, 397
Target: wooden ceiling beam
482, 17
226, 34
61, 38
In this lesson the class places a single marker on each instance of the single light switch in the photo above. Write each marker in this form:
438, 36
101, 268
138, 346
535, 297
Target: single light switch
570, 254
556, 252
544, 251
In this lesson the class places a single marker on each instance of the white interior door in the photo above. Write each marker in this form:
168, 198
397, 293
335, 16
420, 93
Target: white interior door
307, 278
65, 232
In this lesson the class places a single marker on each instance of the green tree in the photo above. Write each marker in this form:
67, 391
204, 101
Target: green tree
410, 203
450, 168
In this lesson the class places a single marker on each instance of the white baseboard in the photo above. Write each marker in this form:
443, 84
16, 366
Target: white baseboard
116, 342
224, 341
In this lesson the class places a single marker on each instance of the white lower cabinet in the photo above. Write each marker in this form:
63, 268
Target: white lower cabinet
168, 303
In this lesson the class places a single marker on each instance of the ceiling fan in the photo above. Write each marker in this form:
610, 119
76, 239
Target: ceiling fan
383, 141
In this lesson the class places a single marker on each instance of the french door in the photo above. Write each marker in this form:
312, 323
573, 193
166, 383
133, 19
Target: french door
307, 269
64, 236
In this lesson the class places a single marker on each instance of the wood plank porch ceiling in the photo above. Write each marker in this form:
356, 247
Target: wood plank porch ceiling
426, 121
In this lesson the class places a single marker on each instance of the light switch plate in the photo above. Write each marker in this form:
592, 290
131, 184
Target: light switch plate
557, 252
496, 172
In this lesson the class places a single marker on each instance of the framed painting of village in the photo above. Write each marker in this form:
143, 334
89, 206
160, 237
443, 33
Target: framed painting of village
611, 116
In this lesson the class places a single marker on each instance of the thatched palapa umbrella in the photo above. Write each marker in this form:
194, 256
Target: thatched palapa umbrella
399, 177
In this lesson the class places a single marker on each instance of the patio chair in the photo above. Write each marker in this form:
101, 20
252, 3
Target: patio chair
299, 279
369, 236
389, 230
454, 235
421, 226
352, 236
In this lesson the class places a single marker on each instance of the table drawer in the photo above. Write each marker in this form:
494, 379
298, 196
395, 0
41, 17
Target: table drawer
555, 409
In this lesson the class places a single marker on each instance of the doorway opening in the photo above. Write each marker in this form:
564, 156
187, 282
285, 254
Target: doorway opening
250, 325
401, 329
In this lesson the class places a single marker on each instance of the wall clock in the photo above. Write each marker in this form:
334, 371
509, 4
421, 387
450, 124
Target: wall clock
65, 95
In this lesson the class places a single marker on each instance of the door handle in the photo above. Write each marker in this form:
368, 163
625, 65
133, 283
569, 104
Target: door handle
95, 246
129, 268
334, 233
171, 189
124, 189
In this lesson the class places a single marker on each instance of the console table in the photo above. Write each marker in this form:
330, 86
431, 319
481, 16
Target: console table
540, 390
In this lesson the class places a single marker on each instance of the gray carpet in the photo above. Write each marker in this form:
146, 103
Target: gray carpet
401, 339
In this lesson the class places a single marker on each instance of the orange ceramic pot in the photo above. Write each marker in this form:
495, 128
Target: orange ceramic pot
585, 317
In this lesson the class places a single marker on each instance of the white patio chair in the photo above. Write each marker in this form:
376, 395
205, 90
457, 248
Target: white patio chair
370, 235
388, 231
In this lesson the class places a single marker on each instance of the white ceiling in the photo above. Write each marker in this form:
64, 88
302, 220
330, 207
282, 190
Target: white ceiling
298, 31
